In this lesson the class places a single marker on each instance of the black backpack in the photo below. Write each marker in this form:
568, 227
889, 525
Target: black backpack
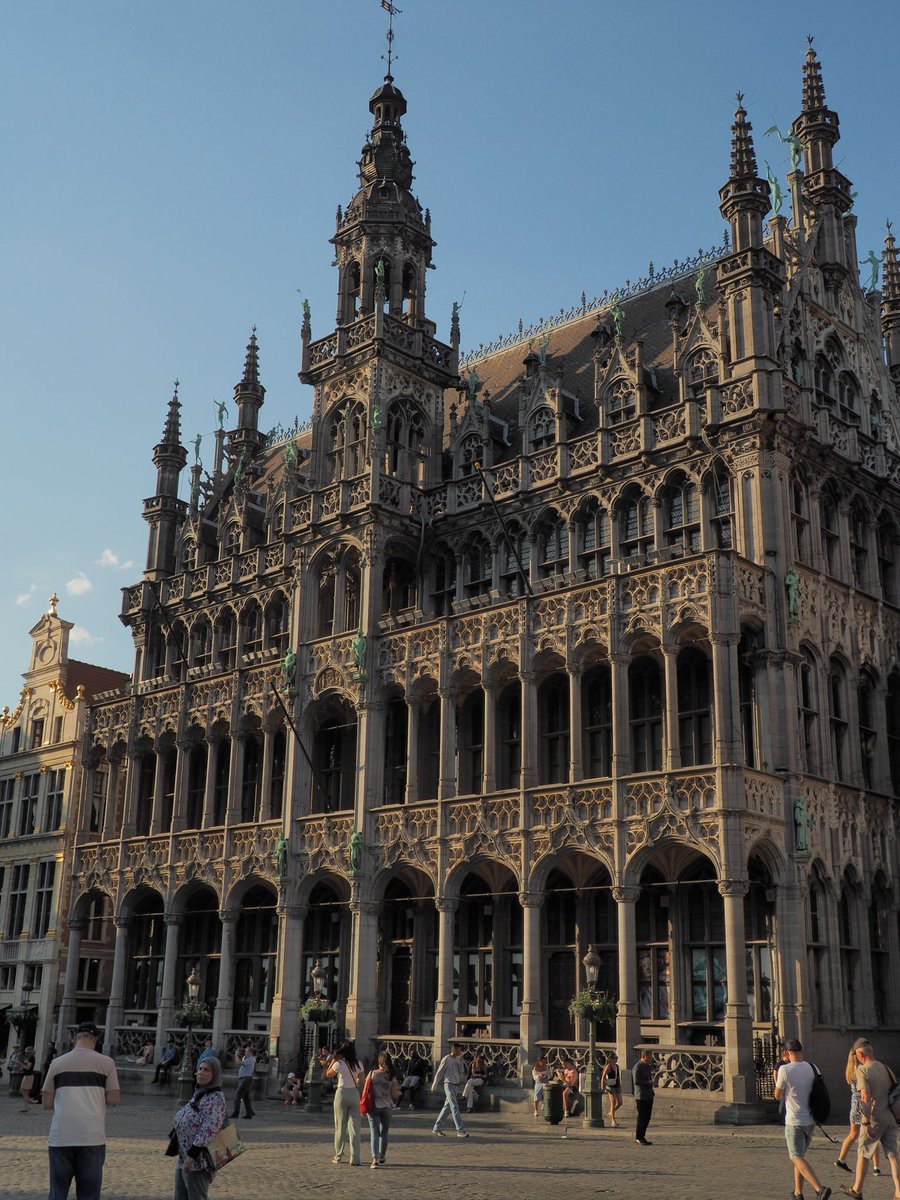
819, 1099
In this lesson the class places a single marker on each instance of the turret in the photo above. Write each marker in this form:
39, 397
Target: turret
163, 511
818, 130
246, 440
744, 200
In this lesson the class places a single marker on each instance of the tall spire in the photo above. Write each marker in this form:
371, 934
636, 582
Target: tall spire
251, 360
246, 440
744, 200
172, 428
818, 129
163, 511
890, 304
813, 88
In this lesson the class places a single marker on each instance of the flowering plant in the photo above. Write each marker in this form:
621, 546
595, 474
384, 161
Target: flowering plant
193, 1014
315, 1009
594, 1006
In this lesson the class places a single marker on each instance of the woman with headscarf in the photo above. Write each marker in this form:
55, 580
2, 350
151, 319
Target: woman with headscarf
196, 1124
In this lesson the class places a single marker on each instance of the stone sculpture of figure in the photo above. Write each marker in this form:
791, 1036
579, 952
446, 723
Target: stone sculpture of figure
700, 283
221, 412
376, 416
379, 275
801, 826
618, 316
875, 263
197, 440
356, 844
306, 311
290, 456
281, 857
239, 469
794, 590
454, 317
777, 193
472, 382
288, 672
358, 645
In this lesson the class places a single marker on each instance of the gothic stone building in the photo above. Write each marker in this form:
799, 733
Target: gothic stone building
40, 782
596, 643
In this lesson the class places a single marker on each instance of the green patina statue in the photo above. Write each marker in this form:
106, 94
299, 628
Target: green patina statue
472, 382
618, 315
873, 261
221, 412
794, 146
358, 645
290, 456
288, 672
777, 193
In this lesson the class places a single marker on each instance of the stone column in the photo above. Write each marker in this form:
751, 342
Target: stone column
284, 1028
413, 715
70, 987
110, 815
362, 1002
445, 1012
235, 781
793, 998
576, 767
489, 777
865, 988
531, 1022
265, 782
117, 987
225, 1001
621, 742
132, 782
179, 798
209, 786
727, 702
159, 783
628, 1021
172, 987
447, 786
740, 1078
672, 747
530, 732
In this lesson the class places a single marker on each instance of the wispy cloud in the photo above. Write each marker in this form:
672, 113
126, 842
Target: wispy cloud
79, 585
82, 636
26, 597
109, 558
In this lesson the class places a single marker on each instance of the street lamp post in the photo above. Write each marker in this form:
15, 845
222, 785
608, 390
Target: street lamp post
593, 1102
314, 1071
186, 1073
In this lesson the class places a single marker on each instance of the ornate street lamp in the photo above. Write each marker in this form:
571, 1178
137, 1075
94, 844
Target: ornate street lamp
314, 1071
593, 1103
186, 1074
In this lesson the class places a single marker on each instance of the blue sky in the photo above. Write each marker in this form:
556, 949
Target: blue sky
172, 172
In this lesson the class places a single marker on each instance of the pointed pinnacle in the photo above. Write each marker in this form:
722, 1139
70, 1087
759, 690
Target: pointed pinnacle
251, 360
172, 429
813, 88
890, 279
743, 156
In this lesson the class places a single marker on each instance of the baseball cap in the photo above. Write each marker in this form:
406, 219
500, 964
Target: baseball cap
793, 1045
88, 1027
291, 1075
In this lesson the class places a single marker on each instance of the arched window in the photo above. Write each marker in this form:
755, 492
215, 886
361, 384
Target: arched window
277, 624
515, 557
226, 640
509, 732
255, 946
808, 714
747, 650
868, 737
817, 944
892, 721
471, 743
620, 401
405, 431
824, 382
395, 747
146, 952
694, 719
887, 551
859, 545
681, 516
759, 913
189, 554
645, 714
155, 653
470, 452
553, 546
596, 716
276, 783
196, 784
253, 628
848, 398
702, 369
800, 520
442, 572
338, 592
355, 459
478, 566
410, 290
201, 643
429, 749
720, 506
398, 586
251, 777
232, 539
635, 524
334, 756
553, 723
837, 692
876, 417
652, 948
831, 537
542, 429
351, 291
593, 540
337, 433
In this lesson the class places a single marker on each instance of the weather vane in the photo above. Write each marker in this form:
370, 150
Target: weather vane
392, 11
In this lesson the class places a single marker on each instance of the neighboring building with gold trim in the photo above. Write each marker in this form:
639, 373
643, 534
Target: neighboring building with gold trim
595, 645
40, 776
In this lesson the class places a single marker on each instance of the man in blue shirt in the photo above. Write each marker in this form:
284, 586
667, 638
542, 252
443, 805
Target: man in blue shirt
245, 1079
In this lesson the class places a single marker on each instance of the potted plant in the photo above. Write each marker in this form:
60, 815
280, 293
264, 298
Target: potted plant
316, 1009
193, 1014
593, 1006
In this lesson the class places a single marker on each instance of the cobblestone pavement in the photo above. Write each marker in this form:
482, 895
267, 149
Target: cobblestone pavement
289, 1155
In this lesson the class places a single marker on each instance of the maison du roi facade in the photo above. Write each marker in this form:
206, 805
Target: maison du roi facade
591, 639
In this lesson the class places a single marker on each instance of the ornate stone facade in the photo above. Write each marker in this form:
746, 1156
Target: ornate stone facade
595, 643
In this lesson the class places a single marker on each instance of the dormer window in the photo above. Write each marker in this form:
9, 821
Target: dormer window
620, 402
542, 429
703, 369
469, 454
232, 539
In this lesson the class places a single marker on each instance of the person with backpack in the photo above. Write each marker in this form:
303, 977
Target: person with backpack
879, 1125
794, 1081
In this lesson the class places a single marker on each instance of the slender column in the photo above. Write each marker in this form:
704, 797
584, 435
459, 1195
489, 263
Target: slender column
235, 781
284, 1028
413, 717
621, 742
628, 1021
117, 987
159, 783
362, 1003
531, 1022
132, 782
865, 987
70, 986
169, 996
179, 794
225, 1001
489, 782
576, 768
264, 807
530, 733
209, 787
727, 704
110, 816
740, 1080
672, 749
448, 743
444, 1013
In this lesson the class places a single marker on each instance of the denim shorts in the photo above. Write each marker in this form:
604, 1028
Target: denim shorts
798, 1138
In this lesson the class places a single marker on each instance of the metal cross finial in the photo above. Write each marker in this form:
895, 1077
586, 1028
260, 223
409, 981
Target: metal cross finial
740, 99
253, 329
392, 11
889, 225
176, 387
809, 39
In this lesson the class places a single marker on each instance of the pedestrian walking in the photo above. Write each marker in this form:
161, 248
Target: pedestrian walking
611, 1084
196, 1124
347, 1071
540, 1073
245, 1081
26, 1066
794, 1082
879, 1127
451, 1074
76, 1145
387, 1093
855, 1114
478, 1077
167, 1061
642, 1077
